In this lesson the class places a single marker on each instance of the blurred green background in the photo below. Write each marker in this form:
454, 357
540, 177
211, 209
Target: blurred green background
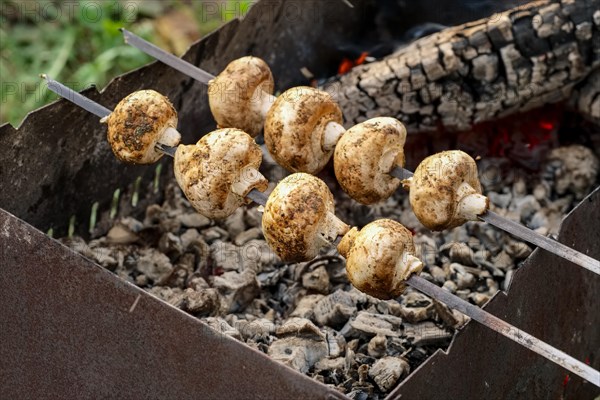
78, 43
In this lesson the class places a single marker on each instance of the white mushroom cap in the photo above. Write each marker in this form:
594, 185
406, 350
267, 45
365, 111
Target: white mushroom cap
299, 218
219, 171
380, 258
445, 191
237, 95
295, 129
138, 123
364, 157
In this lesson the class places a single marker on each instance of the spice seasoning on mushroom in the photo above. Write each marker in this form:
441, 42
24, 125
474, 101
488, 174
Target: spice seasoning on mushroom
302, 129
366, 154
217, 173
445, 191
240, 96
380, 258
138, 123
299, 218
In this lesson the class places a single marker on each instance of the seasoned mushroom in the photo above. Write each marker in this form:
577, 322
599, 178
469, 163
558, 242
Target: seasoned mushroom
445, 191
380, 258
364, 157
299, 218
138, 123
219, 171
302, 128
240, 96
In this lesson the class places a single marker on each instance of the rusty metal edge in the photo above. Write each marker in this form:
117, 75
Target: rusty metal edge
71, 329
480, 363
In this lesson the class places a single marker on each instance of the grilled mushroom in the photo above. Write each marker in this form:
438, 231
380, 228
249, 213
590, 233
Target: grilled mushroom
299, 218
240, 96
302, 128
138, 123
380, 258
445, 191
217, 173
364, 157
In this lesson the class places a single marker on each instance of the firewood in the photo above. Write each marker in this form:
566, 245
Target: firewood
480, 71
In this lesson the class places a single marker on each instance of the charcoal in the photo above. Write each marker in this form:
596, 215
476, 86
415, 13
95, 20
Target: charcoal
194, 220
237, 289
173, 296
154, 264
188, 237
377, 346
121, 234
203, 302
235, 224
426, 334
366, 325
386, 372
317, 280
221, 325
300, 327
335, 309
306, 305
245, 236
259, 329
298, 353
171, 245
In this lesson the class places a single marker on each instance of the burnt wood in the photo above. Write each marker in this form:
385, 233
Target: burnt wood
534, 54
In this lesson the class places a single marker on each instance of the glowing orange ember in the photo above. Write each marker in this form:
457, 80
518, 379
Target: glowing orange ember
347, 64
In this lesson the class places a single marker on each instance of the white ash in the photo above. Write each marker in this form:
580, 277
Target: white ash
307, 315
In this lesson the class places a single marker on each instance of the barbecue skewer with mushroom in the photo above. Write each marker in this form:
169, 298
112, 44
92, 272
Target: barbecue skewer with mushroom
302, 125
377, 243
140, 122
444, 192
140, 125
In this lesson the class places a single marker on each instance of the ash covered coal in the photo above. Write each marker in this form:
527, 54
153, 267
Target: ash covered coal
307, 315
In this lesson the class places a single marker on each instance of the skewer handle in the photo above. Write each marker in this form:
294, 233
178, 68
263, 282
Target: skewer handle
506, 329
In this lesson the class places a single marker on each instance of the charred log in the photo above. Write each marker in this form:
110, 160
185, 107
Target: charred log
510, 62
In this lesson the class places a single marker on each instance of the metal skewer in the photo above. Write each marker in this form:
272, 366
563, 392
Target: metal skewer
524, 233
475, 313
490, 217
93, 107
485, 318
172, 61
75, 97
504, 328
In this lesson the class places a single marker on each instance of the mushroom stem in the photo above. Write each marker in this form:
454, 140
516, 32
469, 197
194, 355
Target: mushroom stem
333, 133
169, 137
473, 205
390, 159
412, 265
248, 179
263, 102
406, 183
347, 242
333, 228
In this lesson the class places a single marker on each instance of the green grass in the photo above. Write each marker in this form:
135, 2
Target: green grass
80, 44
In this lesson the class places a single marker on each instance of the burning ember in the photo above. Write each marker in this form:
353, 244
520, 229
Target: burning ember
347, 64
